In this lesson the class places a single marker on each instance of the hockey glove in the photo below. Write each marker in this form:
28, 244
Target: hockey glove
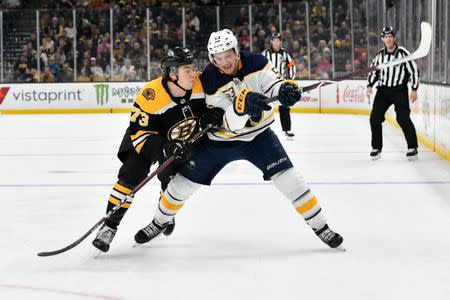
290, 93
181, 150
250, 103
212, 117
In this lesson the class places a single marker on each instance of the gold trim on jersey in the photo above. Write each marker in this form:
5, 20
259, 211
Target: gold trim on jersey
142, 132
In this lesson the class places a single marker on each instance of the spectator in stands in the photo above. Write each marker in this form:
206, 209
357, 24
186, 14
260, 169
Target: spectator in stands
53, 67
135, 54
20, 68
85, 70
194, 22
47, 48
66, 74
56, 30
302, 72
127, 70
70, 30
96, 70
244, 40
104, 51
141, 70
47, 76
114, 72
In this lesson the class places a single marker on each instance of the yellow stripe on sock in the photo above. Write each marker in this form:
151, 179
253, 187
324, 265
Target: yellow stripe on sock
169, 205
115, 202
122, 189
307, 206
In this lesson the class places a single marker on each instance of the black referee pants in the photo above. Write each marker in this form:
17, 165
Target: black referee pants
384, 98
285, 118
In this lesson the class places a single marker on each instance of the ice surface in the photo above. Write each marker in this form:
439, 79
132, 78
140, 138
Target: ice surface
239, 238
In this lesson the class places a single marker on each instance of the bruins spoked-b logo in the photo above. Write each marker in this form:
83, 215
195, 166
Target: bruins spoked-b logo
102, 93
149, 94
182, 130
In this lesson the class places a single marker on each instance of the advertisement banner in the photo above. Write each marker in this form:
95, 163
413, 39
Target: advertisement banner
68, 95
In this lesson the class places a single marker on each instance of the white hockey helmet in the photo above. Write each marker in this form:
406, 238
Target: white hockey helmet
220, 41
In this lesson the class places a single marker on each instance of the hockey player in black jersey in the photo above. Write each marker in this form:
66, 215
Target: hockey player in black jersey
165, 114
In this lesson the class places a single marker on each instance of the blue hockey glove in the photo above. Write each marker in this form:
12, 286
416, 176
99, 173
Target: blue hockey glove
249, 103
290, 93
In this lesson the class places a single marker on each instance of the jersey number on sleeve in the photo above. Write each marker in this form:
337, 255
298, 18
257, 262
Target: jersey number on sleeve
277, 72
137, 113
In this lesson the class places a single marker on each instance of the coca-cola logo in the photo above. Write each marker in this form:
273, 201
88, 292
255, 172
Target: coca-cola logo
356, 95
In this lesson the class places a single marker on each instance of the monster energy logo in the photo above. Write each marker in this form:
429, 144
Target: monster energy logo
101, 93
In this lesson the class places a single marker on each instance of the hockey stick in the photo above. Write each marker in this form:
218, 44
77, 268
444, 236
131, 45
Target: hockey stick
422, 51
161, 167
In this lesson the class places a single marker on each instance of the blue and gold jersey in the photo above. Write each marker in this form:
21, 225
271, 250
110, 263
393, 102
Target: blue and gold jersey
255, 73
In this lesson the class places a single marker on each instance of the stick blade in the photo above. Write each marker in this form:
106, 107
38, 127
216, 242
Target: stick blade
425, 40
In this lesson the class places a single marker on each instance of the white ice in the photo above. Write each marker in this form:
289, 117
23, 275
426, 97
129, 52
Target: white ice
239, 238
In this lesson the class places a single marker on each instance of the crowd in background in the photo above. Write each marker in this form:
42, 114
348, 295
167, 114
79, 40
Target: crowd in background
95, 58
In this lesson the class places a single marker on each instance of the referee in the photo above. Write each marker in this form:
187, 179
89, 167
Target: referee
392, 89
286, 66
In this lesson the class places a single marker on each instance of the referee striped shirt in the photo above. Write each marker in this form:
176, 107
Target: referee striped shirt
394, 76
282, 61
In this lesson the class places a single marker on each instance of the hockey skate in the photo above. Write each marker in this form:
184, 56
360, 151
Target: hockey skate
289, 135
331, 238
375, 154
170, 227
412, 154
149, 232
104, 238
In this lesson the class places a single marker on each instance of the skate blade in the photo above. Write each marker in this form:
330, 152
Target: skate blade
376, 157
289, 138
97, 253
137, 245
413, 158
340, 248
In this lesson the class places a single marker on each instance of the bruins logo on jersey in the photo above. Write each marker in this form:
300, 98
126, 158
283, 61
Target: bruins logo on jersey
183, 130
149, 94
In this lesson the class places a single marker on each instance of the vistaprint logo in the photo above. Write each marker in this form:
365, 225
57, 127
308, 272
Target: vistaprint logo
47, 96
3, 92
102, 93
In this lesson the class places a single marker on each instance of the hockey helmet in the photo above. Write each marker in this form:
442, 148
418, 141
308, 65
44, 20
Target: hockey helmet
388, 30
276, 35
171, 59
221, 41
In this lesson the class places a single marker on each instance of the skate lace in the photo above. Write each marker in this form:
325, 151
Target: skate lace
151, 230
327, 235
107, 235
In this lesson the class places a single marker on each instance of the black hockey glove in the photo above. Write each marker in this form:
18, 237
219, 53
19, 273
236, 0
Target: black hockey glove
250, 103
212, 117
290, 93
181, 150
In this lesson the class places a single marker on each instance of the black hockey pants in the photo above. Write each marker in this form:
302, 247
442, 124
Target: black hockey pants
285, 118
385, 97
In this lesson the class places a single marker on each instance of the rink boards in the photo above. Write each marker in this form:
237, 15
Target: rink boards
430, 113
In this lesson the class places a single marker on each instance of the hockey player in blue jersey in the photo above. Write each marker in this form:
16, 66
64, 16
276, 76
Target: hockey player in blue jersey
236, 84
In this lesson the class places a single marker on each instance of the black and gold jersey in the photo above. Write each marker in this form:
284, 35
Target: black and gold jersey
155, 113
